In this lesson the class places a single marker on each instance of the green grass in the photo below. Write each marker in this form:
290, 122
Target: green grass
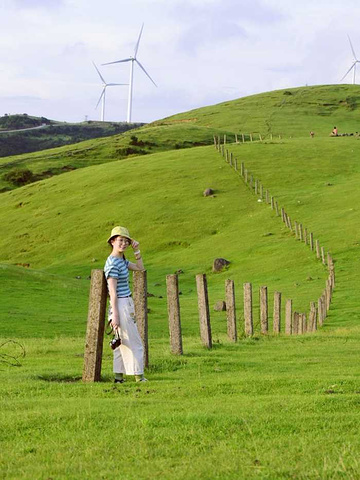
266, 407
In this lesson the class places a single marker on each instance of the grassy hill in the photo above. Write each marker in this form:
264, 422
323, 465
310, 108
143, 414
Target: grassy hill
291, 113
50, 134
266, 407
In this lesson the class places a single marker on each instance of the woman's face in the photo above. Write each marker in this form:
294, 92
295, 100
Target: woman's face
120, 243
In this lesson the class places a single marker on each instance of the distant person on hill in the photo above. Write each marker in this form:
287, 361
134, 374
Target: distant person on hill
334, 132
129, 355
312, 134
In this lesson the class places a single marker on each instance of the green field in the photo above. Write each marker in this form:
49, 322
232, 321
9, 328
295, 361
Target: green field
266, 407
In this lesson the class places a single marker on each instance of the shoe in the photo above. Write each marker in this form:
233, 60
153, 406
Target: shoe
142, 380
119, 380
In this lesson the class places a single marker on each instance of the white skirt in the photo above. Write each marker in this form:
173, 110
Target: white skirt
129, 356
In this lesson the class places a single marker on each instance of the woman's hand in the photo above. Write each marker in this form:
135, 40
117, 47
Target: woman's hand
135, 245
115, 321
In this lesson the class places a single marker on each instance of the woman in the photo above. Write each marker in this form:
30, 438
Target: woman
129, 356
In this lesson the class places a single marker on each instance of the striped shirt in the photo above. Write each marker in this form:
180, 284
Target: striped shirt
117, 267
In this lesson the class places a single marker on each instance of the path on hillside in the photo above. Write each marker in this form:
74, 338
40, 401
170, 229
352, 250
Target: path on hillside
25, 129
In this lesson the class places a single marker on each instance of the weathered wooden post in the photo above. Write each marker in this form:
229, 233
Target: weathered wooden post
277, 313
312, 241
242, 169
230, 310
204, 312
261, 191
231, 158
264, 322
303, 321
251, 182
305, 236
251, 137
246, 175
289, 223
243, 138
301, 324
295, 325
236, 138
317, 245
272, 203
248, 314
323, 255
226, 155
141, 310
301, 236
320, 311
95, 327
256, 186
224, 139
296, 229
277, 209
282, 214
288, 317
235, 166
312, 327
173, 305
328, 296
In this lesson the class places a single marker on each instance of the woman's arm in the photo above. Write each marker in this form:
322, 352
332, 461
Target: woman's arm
138, 266
115, 319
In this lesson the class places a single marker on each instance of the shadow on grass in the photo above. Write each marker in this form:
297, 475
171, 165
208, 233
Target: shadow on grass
59, 378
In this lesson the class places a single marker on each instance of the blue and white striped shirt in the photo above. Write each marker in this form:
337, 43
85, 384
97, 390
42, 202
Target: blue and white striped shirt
117, 267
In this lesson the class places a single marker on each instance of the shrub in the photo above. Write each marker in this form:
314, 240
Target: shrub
19, 176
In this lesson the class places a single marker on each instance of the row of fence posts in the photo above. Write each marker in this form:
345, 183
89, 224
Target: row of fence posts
301, 233
295, 323
246, 137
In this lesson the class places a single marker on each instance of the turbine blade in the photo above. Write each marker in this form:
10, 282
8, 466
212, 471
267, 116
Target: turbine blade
352, 66
352, 48
115, 84
118, 61
102, 94
143, 69
137, 43
102, 78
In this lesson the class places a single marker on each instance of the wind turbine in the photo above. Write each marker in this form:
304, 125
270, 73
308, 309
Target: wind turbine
132, 60
353, 66
103, 93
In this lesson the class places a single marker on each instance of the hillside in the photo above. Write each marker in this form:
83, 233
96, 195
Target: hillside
40, 133
266, 407
292, 112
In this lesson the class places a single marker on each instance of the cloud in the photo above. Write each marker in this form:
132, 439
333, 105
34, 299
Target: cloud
45, 4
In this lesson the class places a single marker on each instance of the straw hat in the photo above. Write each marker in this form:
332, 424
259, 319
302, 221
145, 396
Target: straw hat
119, 231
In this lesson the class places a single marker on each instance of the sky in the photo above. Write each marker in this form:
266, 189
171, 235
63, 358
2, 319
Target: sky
198, 52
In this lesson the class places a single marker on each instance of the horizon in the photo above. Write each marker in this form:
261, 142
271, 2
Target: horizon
278, 45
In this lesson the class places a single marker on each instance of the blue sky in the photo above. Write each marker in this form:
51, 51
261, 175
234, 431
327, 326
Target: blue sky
199, 52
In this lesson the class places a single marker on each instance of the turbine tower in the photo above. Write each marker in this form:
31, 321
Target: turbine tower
353, 66
103, 93
132, 60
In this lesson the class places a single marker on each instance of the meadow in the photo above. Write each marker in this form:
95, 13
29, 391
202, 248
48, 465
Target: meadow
266, 407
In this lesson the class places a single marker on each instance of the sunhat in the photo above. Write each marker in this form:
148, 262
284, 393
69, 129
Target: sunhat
119, 231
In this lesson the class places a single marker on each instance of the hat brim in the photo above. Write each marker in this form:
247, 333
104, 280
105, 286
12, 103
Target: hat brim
118, 235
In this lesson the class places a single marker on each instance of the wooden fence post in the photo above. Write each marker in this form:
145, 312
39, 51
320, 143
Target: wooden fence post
204, 312
261, 191
256, 186
173, 305
295, 325
264, 322
323, 256
236, 138
277, 209
305, 236
317, 246
224, 139
301, 324
248, 314
95, 327
272, 203
288, 317
236, 167
277, 313
242, 169
230, 310
301, 236
251, 182
141, 310
231, 158
320, 311
246, 175
251, 137
296, 229
243, 138
283, 215
312, 327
